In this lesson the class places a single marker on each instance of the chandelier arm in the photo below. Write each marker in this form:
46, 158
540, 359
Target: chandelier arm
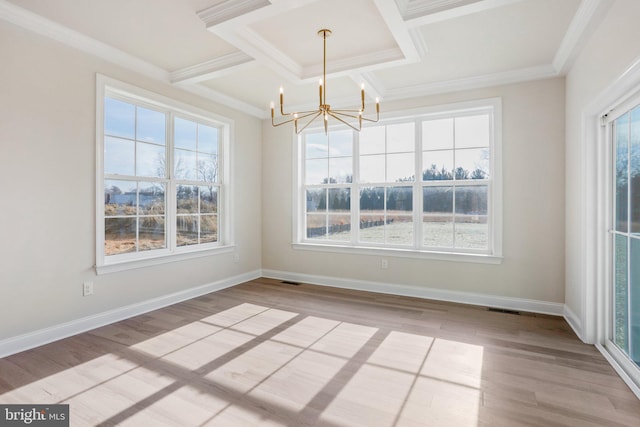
274, 124
357, 129
318, 113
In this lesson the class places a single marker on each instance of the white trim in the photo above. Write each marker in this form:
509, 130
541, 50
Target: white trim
226, 10
573, 320
619, 370
217, 67
400, 253
423, 12
488, 80
497, 301
44, 336
47, 28
587, 17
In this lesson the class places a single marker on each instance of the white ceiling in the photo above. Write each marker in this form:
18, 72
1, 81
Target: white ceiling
240, 52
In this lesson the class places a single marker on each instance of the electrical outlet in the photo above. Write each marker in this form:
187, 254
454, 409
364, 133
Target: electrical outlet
87, 289
384, 264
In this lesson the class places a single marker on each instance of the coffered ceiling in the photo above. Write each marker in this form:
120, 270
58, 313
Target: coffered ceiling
239, 52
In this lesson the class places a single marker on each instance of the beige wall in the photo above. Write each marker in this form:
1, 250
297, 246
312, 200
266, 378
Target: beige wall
533, 169
609, 52
47, 178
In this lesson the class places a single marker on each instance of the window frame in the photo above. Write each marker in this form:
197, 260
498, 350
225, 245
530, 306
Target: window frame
493, 255
112, 88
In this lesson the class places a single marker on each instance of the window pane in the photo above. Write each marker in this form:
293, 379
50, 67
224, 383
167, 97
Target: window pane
372, 228
437, 165
472, 232
339, 200
634, 171
207, 167
474, 162
187, 230
622, 173
207, 139
120, 198
316, 171
150, 160
437, 201
209, 199
621, 293
187, 199
151, 199
119, 235
472, 131
119, 156
372, 200
316, 200
316, 146
399, 230
372, 140
151, 126
340, 170
341, 144
119, 118
339, 227
186, 166
208, 228
634, 302
151, 234
316, 226
401, 138
437, 231
471, 200
401, 167
185, 134
437, 134
372, 168
471, 225
399, 199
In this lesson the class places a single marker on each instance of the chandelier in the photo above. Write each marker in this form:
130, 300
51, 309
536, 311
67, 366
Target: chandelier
351, 118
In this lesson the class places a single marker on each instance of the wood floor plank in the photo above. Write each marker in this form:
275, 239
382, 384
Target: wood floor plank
265, 353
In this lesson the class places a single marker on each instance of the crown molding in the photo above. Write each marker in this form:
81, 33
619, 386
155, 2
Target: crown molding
478, 82
216, 67
45, 27
424, 16
226, 10
343, 66
220, 98
416, 8
588, 16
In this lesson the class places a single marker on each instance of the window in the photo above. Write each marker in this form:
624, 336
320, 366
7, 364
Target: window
625, 233
160, 179
427, 184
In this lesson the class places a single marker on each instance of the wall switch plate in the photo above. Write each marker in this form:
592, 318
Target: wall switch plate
384, 264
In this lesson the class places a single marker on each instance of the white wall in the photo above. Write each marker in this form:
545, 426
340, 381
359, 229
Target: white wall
533, 168
47, 182
609, 52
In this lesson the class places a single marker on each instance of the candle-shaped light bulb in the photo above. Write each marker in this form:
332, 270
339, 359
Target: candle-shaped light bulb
377, 104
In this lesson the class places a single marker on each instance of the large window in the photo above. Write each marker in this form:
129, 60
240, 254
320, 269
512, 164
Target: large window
160, 177
427, 183
625, 233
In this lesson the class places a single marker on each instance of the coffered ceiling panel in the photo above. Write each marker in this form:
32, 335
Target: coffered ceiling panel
239, 52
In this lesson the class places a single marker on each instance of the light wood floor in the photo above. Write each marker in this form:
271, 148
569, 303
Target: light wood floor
272, 354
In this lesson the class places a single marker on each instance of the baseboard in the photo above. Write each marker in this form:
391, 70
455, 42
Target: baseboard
34, 339
519, 304
573, 321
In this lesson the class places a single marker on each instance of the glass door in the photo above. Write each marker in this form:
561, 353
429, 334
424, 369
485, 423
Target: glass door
625, 234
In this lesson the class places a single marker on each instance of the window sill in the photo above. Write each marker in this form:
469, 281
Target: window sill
401, 253
114, 267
